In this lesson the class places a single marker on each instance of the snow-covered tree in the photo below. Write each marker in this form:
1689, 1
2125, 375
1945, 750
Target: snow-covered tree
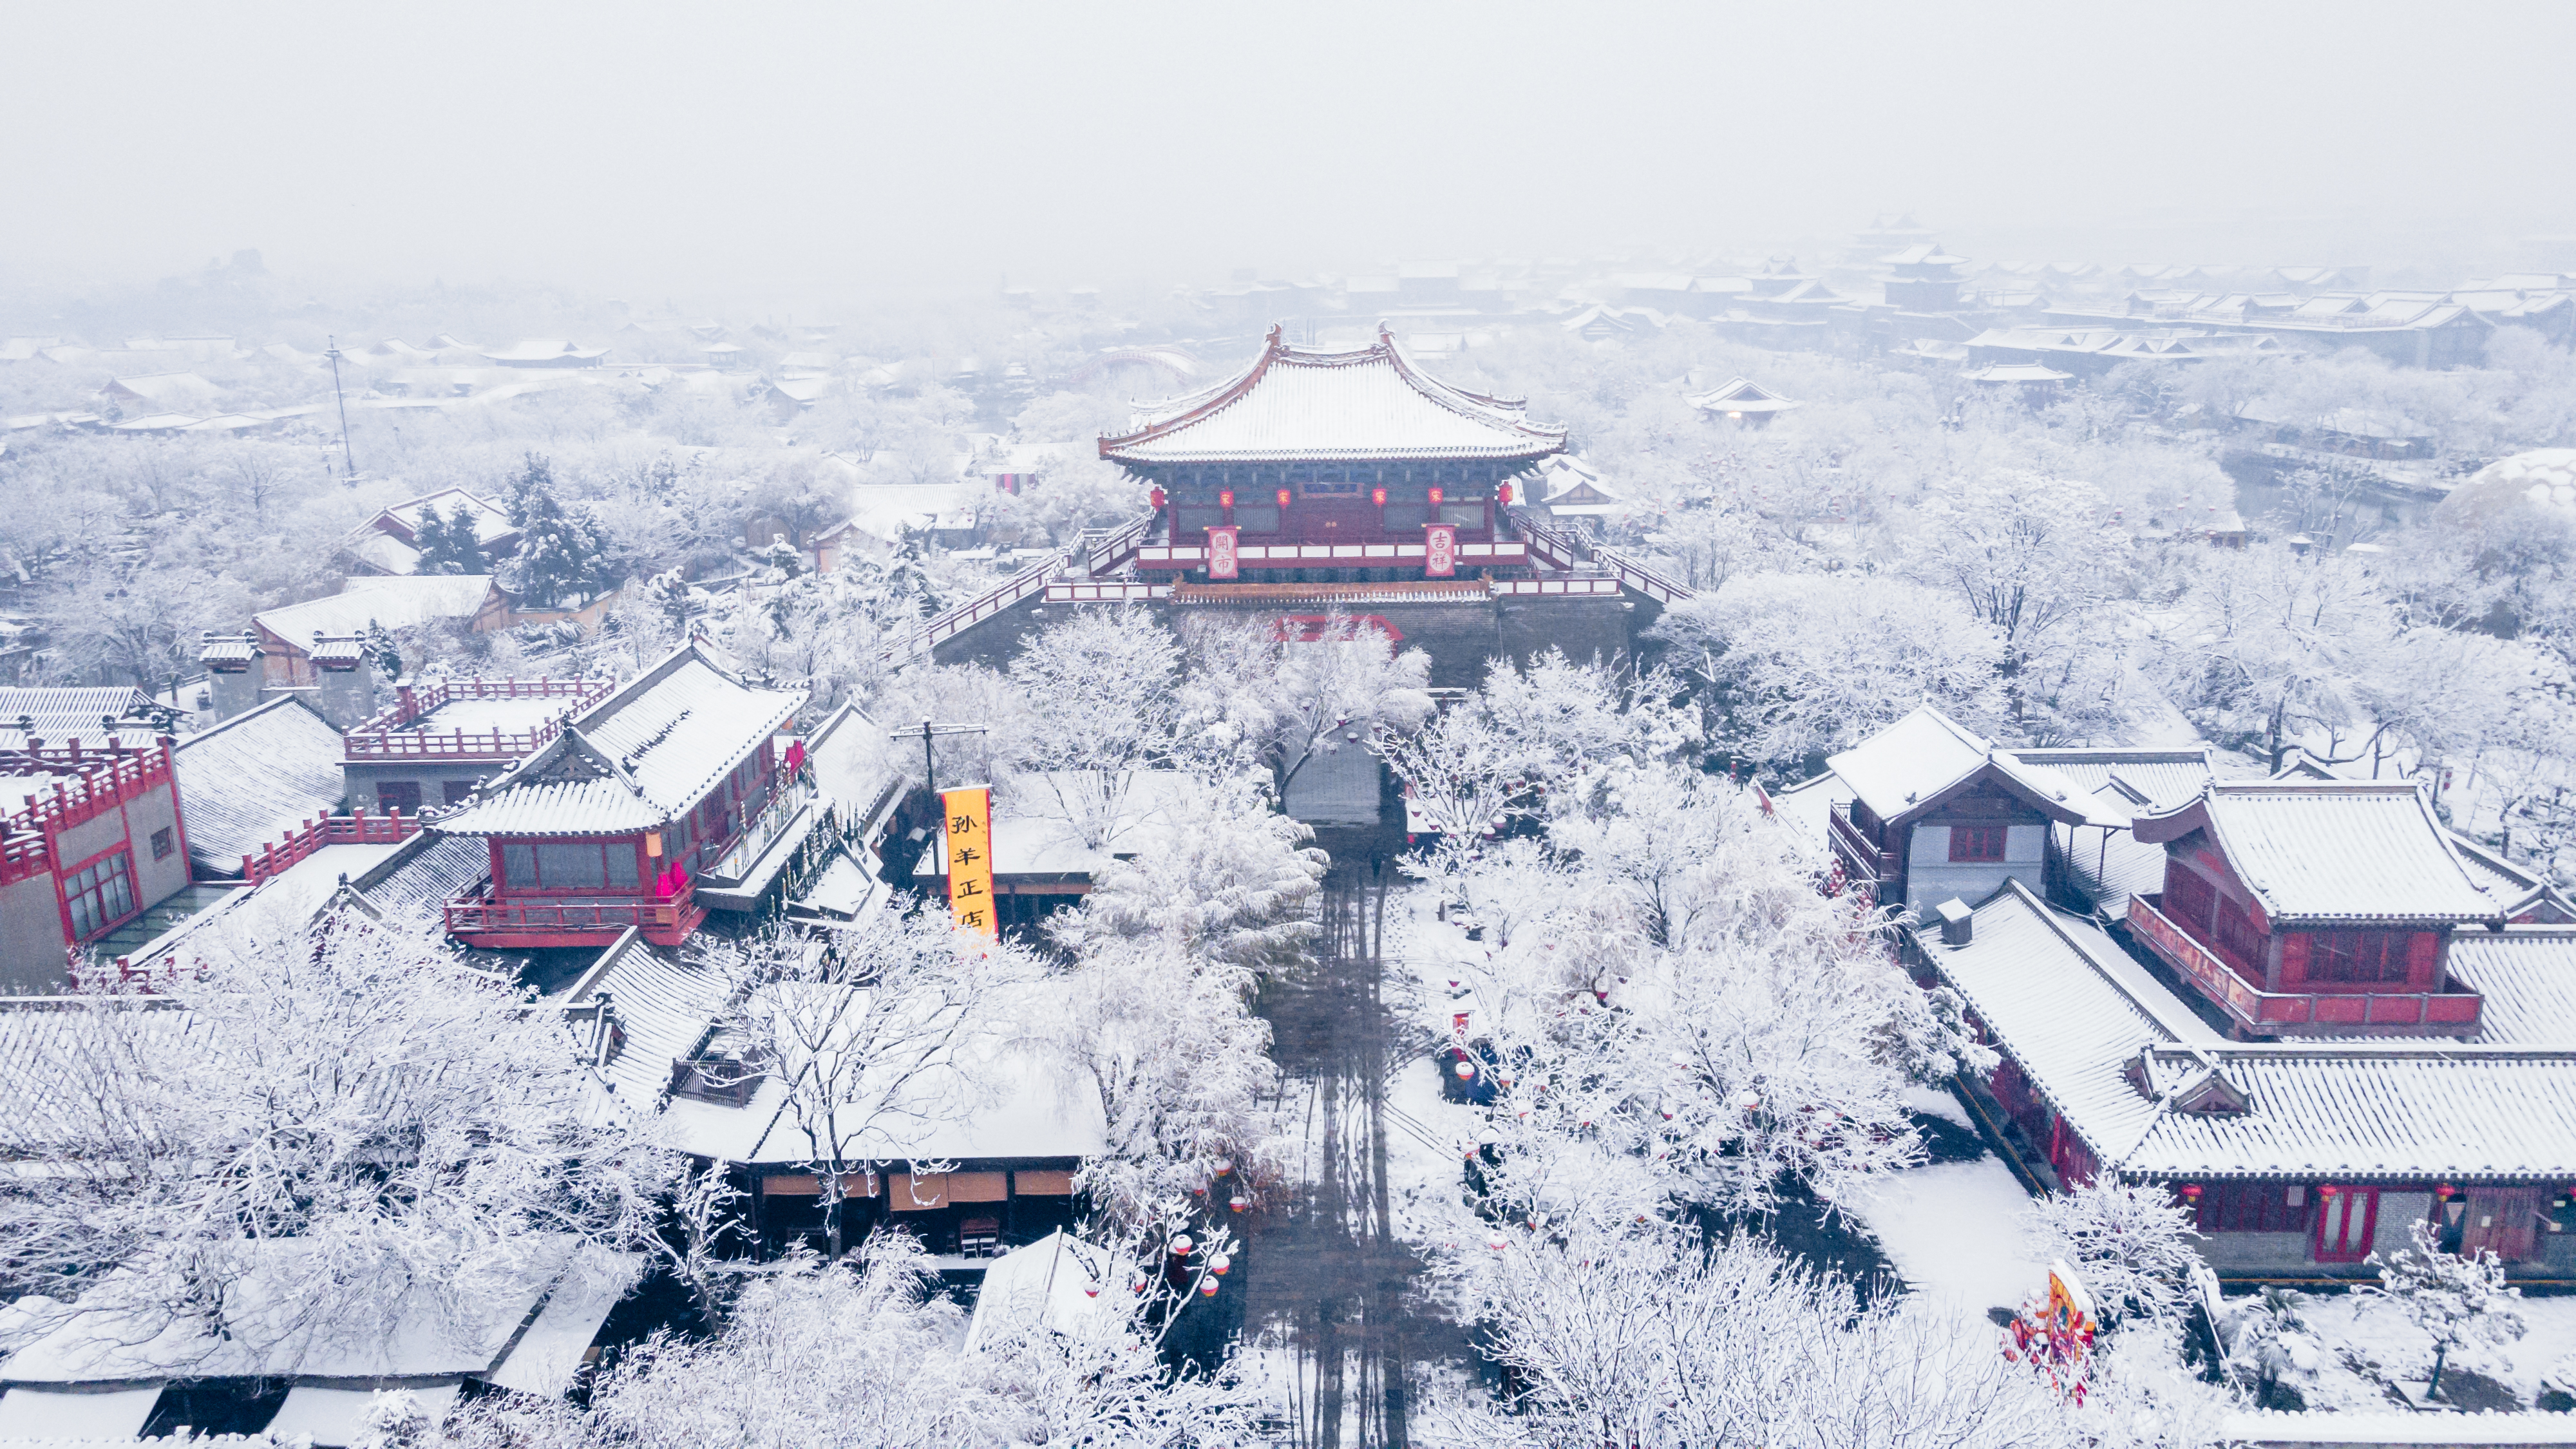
1099, 689
869, 1030
1650, 1338
352, 1087
2131, 1243
560, 549
2269, 1344
1690, 1022
868, 1354
447, 542
1797, 666
1219, 880
2456, 1298
1284, 703
2266, 648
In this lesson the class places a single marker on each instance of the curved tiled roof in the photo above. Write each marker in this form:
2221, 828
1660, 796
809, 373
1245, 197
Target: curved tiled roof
1295, 404
2332, 850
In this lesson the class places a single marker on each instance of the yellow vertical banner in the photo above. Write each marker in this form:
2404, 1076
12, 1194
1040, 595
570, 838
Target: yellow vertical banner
969, 820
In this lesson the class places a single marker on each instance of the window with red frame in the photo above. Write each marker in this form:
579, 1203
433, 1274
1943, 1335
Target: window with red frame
2253, 1207
2236, 934
100, 895
1978, 842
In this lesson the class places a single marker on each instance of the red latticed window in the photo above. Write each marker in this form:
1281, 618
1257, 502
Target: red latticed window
2254, 1207
1978, 842
2188, 898
2357, 956
2236, 934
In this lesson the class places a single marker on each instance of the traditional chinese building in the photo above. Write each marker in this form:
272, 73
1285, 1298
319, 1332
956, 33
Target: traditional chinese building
442, 737
90, 840
1338, 467
2300, 1005
666, 799
2316, 908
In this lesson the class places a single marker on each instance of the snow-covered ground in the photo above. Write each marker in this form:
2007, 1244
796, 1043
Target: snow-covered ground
1953, 1230
2370, 1344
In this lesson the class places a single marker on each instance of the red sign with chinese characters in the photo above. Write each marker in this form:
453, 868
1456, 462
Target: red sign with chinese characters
1440, 550
1221, 551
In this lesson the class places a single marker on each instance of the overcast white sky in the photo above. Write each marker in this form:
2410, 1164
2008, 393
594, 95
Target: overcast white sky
765, 149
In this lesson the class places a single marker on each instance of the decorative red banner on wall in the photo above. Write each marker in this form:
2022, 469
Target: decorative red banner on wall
1440, 554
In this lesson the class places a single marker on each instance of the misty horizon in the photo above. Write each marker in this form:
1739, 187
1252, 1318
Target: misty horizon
831, 158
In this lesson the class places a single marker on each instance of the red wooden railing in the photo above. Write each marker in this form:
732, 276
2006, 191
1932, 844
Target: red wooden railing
1559, 548
1093, 556
390, 828
1862, 859
99, 782
392, 734
2443, 1012
538, 920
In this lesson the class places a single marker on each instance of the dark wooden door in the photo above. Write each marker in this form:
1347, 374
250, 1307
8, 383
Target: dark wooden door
2502, 1220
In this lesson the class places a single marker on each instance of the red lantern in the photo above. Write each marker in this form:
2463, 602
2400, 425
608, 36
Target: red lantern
2444, 1191
1207, 1287
2329, 1190
1283, 497
1239, 1203
1378, 497
1503, 494
1157, 497
2191, 1191
1225, 498
1435, 497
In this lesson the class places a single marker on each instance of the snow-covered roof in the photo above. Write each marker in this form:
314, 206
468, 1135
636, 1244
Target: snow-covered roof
2019, 372
414, 1331
2332, 850
1743, 395
545, 349
253, 778
992, 1097
1058, 1284
63, 713
491, 520
2155, 1092
1033, 830
2145, 779
1295, 404
634, 761
2526, 977
413, 883
664, 1006
396, 602
1904, 768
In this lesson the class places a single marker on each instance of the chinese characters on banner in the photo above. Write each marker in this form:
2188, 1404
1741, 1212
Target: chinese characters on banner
1440, 550
970, 857
1221, 554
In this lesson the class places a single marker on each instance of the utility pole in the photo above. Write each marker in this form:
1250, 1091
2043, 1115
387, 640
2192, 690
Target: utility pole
332, 346
928, 731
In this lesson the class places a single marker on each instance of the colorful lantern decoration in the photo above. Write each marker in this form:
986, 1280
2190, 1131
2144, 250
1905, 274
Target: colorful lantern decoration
1181, 1245
1224, 1165
1466, 1071
1207, 1287
1238, 1202
1497, 1242
1225, 498
1378, 497
1220, 1264
1435, 497
1283, 497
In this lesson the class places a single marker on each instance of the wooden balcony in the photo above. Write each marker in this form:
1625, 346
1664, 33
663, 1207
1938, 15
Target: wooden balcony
397, 733
1861, 860
2301, 1013
478, 918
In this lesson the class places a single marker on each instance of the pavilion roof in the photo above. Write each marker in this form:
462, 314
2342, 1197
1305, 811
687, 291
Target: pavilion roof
634, 761
1292, 403
2344, 850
